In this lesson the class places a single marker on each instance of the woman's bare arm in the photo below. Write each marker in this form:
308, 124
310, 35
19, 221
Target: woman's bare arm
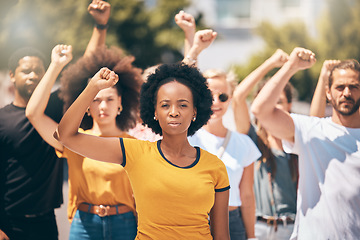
94, 147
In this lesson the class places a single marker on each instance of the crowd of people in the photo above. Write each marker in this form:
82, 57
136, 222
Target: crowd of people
149, 155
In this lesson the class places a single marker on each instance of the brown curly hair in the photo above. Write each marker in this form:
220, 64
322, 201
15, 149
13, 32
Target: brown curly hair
75, 78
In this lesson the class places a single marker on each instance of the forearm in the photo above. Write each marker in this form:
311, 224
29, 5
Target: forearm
40, 97
246, 85
318, 103
241, 116
188, 42
248, 215
264, 104
97, 40
191, 57
70, 123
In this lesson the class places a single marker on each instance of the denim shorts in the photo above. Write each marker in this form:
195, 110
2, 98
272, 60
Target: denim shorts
90, 226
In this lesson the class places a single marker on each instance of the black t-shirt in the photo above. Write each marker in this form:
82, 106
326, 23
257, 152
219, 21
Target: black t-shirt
31, 174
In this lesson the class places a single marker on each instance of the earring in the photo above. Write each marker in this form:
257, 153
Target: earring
155, 118
120, 110
88, 111
194, 119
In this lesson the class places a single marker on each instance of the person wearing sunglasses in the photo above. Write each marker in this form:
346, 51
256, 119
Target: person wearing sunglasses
236, 150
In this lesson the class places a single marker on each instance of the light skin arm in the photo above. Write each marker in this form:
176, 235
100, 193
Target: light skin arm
94, 147
219, 216
242, 91
248, 200
100, 11
318, 102
276, 121
187, 23
3, 235
202, 40
35, 109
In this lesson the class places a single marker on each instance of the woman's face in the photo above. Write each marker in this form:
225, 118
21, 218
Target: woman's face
218, 87
174, 108
105, 106
283, 103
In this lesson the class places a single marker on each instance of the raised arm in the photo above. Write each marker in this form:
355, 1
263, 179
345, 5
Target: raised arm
100, 11
278, 122
94, 147
242, 91
35, 109
202, 40
187, 23
318, 103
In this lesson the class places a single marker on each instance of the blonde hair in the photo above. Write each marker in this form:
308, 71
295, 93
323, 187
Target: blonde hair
230, 77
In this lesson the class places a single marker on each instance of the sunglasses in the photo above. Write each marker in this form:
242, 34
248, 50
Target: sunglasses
223, 97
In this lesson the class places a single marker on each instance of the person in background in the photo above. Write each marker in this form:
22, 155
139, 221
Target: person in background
217, 139
238, 153
275, 177
29, 166
101, 203
328, 149
174, 102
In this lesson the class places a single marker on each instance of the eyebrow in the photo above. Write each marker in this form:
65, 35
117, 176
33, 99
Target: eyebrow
180, 100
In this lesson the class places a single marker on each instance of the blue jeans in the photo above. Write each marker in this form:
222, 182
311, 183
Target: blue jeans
236, 225
91, 226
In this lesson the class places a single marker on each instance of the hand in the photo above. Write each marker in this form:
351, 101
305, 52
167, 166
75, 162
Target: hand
186, 22
301, 58
204, 38
3, 236
61, 54
327, 66
278, 58
100, 11
104, 78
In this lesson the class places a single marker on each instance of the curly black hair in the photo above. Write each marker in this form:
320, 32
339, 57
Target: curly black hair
184, 74
75, 78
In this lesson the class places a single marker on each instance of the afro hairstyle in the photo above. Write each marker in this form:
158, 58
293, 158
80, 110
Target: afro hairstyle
75, 78
184, 74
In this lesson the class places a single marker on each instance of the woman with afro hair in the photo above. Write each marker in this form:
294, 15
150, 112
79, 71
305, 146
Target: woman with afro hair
176, 187
101, 202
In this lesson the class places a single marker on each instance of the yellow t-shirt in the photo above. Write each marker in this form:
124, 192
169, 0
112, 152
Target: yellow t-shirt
96, 182
172, 202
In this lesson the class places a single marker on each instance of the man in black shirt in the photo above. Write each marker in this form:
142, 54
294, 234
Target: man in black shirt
30, 172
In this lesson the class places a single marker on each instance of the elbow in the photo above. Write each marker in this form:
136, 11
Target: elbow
56, 135
256, 110
29, 115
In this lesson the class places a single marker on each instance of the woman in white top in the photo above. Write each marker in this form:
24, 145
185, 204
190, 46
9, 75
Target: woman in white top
237, 151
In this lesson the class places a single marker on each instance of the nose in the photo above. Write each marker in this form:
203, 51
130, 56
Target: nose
174, 111
216, 98
102, 105
32, 75
347, 92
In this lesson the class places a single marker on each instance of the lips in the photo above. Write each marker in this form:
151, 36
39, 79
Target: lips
349, 101
174, 124
102, 115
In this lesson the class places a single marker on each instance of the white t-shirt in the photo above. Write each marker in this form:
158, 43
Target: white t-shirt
239, 153
328, 204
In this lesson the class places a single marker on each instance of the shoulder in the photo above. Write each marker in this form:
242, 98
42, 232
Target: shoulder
240, 137
210, 158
